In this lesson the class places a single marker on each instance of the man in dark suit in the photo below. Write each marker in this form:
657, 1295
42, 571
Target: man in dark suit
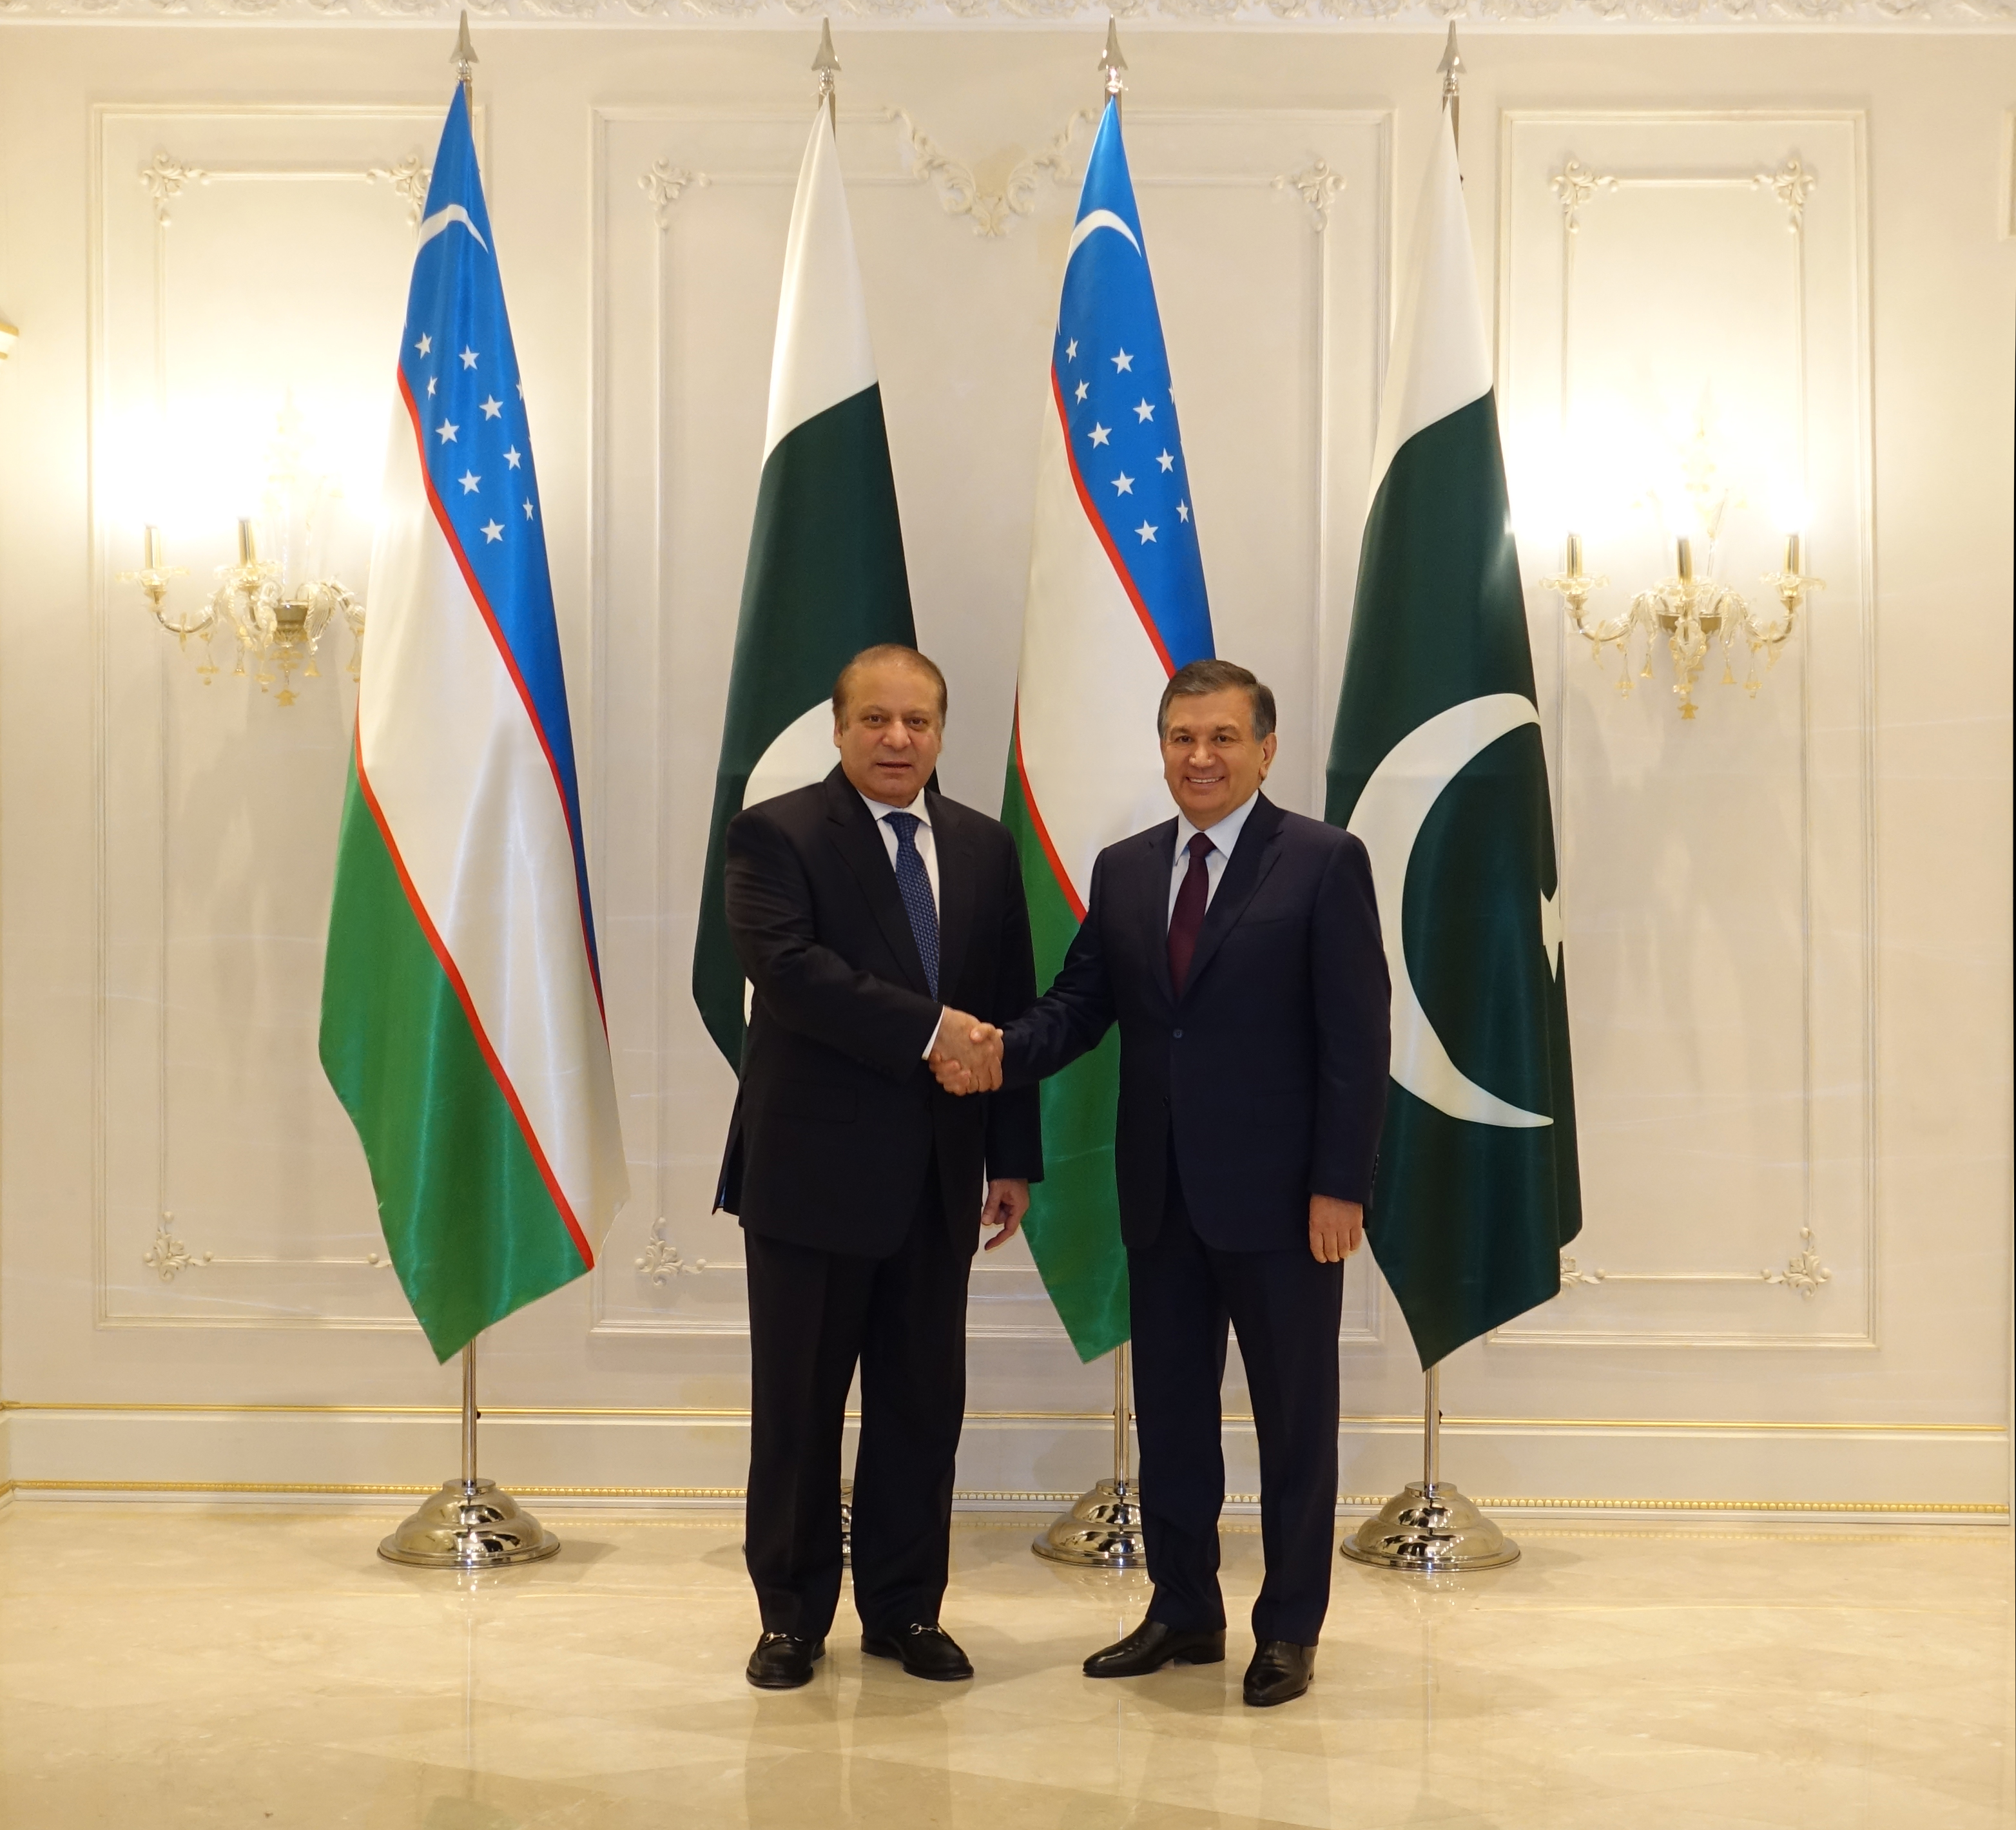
1237, 947
882, 927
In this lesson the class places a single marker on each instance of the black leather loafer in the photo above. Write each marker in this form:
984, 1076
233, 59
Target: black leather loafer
925, 1649
1150, 1646
1279, 1672
781, 1662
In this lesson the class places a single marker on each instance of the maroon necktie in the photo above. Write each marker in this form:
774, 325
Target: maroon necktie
1188, 918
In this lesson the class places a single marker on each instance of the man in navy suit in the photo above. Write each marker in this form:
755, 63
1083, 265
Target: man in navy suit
1237, 946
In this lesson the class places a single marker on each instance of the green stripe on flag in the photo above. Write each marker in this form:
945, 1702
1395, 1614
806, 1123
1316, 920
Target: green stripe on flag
473, 1230
1073, 1225
824, 580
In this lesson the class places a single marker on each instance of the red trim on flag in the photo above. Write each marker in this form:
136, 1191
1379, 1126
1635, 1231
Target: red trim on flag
1105, 539
468, 1004
511, 667
1036, 819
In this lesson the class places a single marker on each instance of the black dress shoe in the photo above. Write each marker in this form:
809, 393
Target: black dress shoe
781, 1662
1150, 1646
926, 1651
1279, 1672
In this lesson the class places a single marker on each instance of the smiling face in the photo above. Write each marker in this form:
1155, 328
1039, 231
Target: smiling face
1210, 759
890, 733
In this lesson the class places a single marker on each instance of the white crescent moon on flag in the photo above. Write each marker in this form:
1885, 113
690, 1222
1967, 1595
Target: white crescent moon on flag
1390, 810
438, 223
1098, 219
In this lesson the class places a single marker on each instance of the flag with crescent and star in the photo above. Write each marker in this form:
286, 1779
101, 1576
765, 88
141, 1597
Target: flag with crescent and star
462, 1023
825, 577
1437, 764
1116, 604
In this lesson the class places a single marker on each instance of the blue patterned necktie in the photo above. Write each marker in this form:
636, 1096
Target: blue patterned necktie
913, 884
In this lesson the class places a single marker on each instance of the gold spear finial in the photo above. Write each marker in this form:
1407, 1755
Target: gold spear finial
1111, 62
1451, 69
828, 66
464, 61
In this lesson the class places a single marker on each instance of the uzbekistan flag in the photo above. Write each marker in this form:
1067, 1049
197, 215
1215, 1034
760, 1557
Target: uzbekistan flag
1116, 604
462, 1023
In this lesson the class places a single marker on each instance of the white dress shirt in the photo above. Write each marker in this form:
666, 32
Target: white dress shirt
926, 850
1223, 837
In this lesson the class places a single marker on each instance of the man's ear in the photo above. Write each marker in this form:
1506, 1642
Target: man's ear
1269, 745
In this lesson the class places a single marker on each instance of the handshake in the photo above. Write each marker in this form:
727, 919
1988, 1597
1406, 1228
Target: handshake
966, 1054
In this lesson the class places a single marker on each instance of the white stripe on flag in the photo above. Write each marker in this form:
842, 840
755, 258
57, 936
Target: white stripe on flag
1440, 361
1089, 683
822, 355
459, 773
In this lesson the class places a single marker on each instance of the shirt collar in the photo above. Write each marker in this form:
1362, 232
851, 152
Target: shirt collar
881, 810
1225, 835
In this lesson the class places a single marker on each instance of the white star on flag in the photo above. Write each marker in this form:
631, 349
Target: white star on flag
512, 457
1100, 435
493, 531
1183, 511
469, 479
1167, 462
1124, 483
492, 408
1123, 362
447, 432
1144, 412
1082, 391
1071, 351
1145, 532
425, 345
431, 386
468, 357
528, 510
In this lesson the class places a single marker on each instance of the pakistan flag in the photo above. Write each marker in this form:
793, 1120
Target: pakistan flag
825, 578
1436, 763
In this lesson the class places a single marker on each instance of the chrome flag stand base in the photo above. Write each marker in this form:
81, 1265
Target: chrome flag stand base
1103, 1531
469, 1524
1428, 1526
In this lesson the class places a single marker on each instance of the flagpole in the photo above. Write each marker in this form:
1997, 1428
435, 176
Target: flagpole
828, 66
1103, 1530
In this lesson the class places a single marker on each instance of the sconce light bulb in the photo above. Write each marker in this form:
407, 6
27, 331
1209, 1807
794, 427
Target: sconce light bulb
1684, 558
248, 544
153, 548
1795, 555
1573, 568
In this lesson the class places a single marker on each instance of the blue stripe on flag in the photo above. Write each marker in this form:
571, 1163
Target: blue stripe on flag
1112, 374
461, 369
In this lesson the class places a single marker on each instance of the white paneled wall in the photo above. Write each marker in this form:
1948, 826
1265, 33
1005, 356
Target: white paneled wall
1788, 920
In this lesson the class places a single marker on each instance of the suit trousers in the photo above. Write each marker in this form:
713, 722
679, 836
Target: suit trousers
1286, 1306
813, 1315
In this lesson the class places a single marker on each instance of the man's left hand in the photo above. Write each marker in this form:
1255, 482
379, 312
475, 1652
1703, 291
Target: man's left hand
1007, 1201
1337, 1228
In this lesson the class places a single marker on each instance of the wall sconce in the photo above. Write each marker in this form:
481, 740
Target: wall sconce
279, 626
1692, 613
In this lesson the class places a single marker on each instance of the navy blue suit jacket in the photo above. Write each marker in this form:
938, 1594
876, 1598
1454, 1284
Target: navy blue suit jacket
1268, 1075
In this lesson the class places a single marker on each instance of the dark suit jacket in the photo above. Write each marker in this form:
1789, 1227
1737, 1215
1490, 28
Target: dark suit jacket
1268, 1075
838, 1115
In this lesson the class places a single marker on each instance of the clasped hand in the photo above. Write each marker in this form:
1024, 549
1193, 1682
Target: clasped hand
965, 1055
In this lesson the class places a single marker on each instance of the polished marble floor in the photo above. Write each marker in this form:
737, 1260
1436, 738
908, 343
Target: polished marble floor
171, 1666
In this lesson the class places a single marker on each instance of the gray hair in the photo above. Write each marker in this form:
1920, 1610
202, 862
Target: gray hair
883, 651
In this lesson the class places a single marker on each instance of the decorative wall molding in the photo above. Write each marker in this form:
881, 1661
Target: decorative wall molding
665, 183
993, 212
1318, 187
1804, 1272
1607, 15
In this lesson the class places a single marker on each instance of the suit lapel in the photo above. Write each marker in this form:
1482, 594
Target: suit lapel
954, 846
1247, 868
1158, 859
855, 837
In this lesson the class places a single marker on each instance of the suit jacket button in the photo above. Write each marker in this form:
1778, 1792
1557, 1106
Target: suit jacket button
1179, 1035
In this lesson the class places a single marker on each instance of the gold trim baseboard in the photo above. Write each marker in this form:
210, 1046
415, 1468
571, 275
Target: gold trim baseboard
736, 1414
1346, 1502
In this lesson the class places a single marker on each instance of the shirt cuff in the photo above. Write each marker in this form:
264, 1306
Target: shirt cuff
935, 1027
